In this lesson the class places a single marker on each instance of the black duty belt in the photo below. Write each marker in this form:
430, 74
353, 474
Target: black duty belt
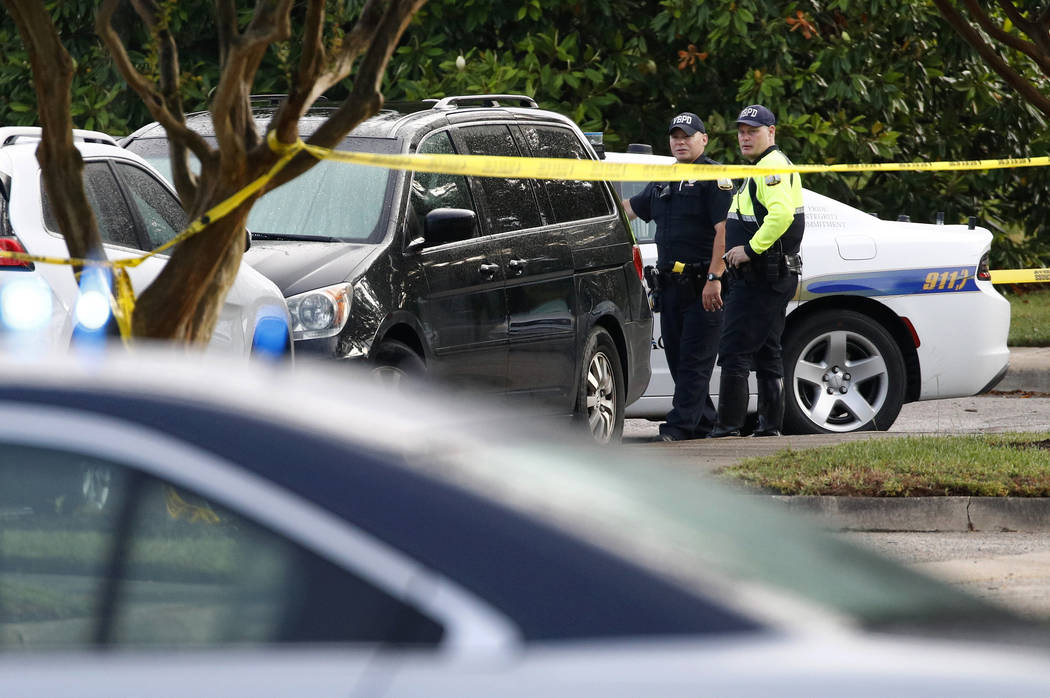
683, 268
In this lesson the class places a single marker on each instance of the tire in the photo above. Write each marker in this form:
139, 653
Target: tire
395, 363
601, 395
843, 373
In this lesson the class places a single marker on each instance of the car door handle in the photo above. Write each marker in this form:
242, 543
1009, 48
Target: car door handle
516, 266
487, 271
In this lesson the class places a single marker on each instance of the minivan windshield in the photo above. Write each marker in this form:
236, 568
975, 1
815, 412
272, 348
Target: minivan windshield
333, 200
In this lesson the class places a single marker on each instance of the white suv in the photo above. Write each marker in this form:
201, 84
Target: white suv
887, 312
136, 211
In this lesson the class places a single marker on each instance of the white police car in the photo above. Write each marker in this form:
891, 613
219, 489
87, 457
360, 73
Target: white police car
42, 306
887, 312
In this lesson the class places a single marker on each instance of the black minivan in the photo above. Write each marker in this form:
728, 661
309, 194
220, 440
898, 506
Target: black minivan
526, 287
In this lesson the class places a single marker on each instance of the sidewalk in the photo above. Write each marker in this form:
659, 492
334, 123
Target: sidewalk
1029, 372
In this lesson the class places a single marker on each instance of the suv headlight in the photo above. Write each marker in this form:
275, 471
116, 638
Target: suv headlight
320, 313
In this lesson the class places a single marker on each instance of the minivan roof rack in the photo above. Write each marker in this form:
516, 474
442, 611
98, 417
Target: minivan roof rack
485, 101
11, 134
273, 99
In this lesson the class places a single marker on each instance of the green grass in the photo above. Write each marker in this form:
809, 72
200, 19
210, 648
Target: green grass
984, 465
1029, 315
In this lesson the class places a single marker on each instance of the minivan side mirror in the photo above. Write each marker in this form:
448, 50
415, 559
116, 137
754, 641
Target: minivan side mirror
448, 225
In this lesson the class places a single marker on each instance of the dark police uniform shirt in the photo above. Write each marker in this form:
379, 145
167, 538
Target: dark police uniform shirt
685, 214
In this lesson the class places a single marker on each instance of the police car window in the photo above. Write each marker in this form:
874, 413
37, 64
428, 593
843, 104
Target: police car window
115, 223
5, 218
571, 200
644, 231
93, 552
510, 203
159, 209
431, 190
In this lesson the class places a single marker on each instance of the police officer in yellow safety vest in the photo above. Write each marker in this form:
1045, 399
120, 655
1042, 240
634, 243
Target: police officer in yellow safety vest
763, 234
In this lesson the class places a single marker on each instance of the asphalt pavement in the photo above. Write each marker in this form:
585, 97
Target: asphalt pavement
1005, 410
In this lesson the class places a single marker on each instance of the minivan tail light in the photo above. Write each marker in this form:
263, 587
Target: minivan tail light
12, 244
638, 262
983, 273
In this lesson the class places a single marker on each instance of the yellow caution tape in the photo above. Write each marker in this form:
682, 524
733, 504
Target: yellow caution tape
123, 300
564, 168
1020, 276
179, 508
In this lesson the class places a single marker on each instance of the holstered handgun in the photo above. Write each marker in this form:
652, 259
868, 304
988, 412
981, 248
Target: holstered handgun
652, 280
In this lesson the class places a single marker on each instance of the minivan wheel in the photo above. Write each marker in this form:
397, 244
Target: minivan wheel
600, 400
843, 372
395, 362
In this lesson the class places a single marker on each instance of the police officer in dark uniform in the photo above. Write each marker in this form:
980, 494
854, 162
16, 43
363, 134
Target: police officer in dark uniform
690, 238
763, 235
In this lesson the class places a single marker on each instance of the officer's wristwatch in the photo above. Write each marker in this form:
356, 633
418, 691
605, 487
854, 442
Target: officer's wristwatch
713, 277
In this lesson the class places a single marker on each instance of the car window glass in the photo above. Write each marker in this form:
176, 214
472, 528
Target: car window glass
332, 199
431, 190
115, 223
643, 231
511, 204
5, 219
571, 200
158, 207
92, 552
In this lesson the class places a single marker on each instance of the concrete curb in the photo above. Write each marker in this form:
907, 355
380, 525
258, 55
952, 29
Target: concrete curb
922, 513
1029, 371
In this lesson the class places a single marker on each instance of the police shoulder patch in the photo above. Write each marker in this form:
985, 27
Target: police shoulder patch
725, 184
772, 180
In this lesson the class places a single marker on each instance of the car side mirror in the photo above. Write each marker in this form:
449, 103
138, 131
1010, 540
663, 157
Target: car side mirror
247, 239
448, 225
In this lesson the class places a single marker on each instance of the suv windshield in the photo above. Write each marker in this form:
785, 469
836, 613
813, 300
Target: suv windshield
333, 200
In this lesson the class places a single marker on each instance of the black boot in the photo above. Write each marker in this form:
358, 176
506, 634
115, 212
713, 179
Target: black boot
770, 406
732, 406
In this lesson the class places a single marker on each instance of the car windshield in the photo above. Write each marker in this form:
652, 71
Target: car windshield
336, 200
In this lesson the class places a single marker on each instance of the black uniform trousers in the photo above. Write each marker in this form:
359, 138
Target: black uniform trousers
753, 325
690, 337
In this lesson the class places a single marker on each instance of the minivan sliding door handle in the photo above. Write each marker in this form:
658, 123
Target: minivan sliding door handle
516, 267
487, 271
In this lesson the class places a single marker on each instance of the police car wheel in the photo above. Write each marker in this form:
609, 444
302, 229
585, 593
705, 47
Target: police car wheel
600, 398
396, 363
843, 372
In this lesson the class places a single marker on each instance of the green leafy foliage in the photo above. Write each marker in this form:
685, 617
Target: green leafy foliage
850, 81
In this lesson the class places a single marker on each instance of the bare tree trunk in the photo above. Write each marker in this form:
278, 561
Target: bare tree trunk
60, 161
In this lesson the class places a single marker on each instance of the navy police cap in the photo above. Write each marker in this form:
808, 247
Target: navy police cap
688, 122
756, 115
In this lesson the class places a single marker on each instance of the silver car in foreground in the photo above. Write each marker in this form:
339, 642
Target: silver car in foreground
259, 530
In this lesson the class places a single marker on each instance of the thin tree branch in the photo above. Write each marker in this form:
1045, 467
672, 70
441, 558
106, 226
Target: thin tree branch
231, 114
383, 27
309, 86
186, 181
369, 75
147, 91
60, 162
1030, 49
1028, 91
226, 19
